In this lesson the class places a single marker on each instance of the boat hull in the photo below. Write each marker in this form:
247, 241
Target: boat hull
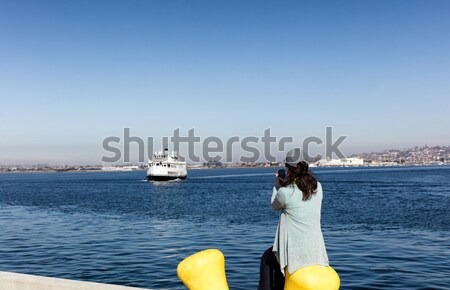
164, 177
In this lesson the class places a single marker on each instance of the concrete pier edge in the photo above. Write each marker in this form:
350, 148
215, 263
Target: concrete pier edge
17, 281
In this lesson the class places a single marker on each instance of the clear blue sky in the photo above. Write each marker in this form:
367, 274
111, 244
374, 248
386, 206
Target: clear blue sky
75, 72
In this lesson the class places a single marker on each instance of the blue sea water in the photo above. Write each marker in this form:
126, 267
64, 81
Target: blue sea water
384, 228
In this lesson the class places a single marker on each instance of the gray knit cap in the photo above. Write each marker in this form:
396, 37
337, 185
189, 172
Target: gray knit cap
295, 156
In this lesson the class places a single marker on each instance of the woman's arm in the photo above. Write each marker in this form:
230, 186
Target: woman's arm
278, 198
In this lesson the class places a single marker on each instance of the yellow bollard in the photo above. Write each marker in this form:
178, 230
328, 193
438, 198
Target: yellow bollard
313, 278
204, 270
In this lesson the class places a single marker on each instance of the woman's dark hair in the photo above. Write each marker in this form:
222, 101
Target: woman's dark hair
302, 177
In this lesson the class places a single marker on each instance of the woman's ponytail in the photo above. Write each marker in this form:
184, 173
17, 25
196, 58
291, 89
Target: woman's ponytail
303, 167
303, 178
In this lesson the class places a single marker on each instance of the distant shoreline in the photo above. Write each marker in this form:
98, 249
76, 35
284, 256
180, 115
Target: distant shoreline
222, 167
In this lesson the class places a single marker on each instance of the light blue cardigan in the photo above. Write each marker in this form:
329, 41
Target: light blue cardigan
298, 240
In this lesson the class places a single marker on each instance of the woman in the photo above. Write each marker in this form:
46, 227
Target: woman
298, 240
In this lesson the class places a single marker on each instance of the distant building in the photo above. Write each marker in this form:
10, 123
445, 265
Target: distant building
120, 168
341, 162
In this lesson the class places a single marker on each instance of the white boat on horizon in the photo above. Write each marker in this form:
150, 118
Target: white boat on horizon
166, 165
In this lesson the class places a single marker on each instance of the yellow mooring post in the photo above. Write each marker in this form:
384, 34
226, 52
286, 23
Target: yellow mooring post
314, 277
204, 270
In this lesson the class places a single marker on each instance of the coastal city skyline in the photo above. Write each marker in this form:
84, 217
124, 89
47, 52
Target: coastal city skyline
74, 73
415, 156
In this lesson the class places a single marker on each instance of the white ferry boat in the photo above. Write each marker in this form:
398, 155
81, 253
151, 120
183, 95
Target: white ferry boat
166, 166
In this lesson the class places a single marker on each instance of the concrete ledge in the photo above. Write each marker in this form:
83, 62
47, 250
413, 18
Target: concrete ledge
15, 281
